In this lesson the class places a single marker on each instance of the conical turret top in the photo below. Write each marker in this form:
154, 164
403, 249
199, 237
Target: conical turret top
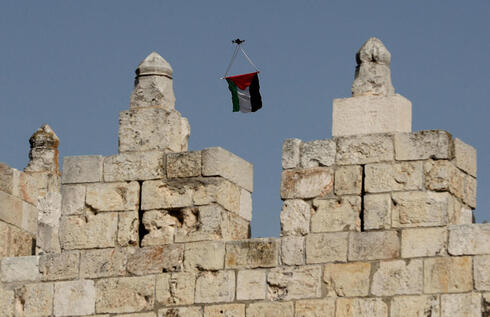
154, 65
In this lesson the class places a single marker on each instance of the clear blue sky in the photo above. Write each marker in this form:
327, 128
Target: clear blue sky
71, 64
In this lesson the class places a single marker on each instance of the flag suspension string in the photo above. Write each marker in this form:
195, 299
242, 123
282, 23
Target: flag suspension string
238, 43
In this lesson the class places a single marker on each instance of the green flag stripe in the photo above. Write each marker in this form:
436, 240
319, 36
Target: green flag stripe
234, 95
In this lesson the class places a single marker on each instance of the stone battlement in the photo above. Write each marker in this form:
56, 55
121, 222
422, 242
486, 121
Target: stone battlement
376, 221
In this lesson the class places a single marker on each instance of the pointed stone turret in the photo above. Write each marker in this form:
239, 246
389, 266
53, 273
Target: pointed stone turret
43, 155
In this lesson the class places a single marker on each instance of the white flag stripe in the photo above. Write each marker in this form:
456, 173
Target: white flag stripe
244, 99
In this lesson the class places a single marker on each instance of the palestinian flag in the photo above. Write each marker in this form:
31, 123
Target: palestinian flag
245, 92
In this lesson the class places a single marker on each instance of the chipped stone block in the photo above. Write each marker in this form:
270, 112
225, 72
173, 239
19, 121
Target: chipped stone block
377, 211
290, 153
186, 164
386, 177
469, 239
447, 275
361, 307
250, 285
21, 269
315, 308
202, 223
181, 312
225, 310
73, 199
481, 271
422, 145
125, 294
113, 196
374, 245
74, 298
133, 166
217, 161
459, 214
245, 205
37, 299
364, 149
420, 209
204, 255
422, 305
419, 242
461, 305
348, 180
128, 229
340, 214
18, 184
398, 278
306, 183
82, 169
326, 247
252, 253
15, 242
234, 227
103, 263
161, 195
215, 287
18, 213
295, 217
62, 266
317, 153
148, 260
442, 175
347, 279
91, 231
465, 157
161, 226
7, 302
175, 288
268, 309
293, 250
470, 191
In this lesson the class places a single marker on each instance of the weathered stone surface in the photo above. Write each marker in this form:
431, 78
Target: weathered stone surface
73, 199
420, 209
398, 278
18, 213
291, 153
295, 217
465, 157
377, 211
486, 304
234, 227
315, 308
21, 269
63, 266
217, 161
470, 191
317, 153
113, 196
161, 226
481, 271
15, 242
374, 245
326, 247
103, 263
293, 250
7, 302
128, 229
250, 285
181, 312
347, 279
423, 305
43, 155
252, 253
226, 310
37, 300
422, 145
91, 231
204, 255
464, 305
175, 288
267, 309
361, 307
469, 239
341, 214
160, 194
148, 260
459, 214
125, 294
442, 175
386, 177
364, 149
306, 183
294, 283
186, 164
19, 184
245, 205
82, 169
74, 298
348, 180
134, 166
447, 275
152, 314
419, 242
214, 287
371, 114
202, 223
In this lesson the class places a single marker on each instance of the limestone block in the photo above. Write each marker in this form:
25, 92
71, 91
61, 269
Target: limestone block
326, 247
202, 223
47, 239
364, 149
181, 312
16, 242
347, 279
82, 169
470, 191
8, 178
374, 245
113, 196
148, 129
37, 299
103, 263
442, 175
469, 239
159, 194
459, 214
91, 231
7, 302
133, 166
447, 275
419, 242
464, 305
21, 269
420, 209
61, 266
216, 189
486, 303
245, 205
175, 288
148, 260
422, 305
74, 298
398, 278
73, 199
234, 227
252, 253
226, 310
422, 145
217, 161
128, 229
386, 177
152, 314
341, 214
317, 153
5, 237
214, 287
291, 153
348, 180
465, 157
250, 285
371, 114
18, 184
289, 283
295, 217
268, 309
361, 307
293, 250
161, 226
481, 271
18, 213
125, 294
377, 211
186, 164
204, 255
306, 183
315, 308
